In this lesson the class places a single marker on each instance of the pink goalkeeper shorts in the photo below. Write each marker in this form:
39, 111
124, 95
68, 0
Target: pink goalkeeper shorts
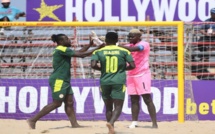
139, 85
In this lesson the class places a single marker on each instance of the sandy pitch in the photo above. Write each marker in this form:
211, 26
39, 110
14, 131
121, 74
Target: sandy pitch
99, 127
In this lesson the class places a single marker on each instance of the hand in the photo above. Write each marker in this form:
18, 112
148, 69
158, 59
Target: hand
209, 34
93, 34
97, 41
91, 40
17, 16
102, 38
102, 45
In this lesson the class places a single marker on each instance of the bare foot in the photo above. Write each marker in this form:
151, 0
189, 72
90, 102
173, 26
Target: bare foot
76, 125
31, 124
111, 128
154, 126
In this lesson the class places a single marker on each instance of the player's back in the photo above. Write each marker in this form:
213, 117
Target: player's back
113, 61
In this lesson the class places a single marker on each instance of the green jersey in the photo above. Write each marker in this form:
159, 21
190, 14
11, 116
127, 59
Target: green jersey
113, 61
62, 63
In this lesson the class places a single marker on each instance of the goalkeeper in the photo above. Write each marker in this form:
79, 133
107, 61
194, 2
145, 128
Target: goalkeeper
139, 79
113, 68
59, 80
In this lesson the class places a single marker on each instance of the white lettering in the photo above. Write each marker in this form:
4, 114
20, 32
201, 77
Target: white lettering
108, 11
80, 98
29, 100
74, 8
191, 10
202, 12
126, 109
89, 10
156, 100
124, 11
141, 9
61, 109
168, 100
10, 99
43, 97
28, 105
165, 8
98, 101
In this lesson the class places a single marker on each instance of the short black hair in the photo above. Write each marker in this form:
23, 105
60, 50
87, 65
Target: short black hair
111, 38
57, 37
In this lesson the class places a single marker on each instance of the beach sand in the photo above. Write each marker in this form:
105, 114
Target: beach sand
99, 127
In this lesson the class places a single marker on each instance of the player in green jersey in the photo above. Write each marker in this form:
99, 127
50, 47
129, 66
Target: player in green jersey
59, 80
113, 65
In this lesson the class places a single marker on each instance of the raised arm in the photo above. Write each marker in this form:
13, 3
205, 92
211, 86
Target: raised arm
86, 53
132, 49
86, 47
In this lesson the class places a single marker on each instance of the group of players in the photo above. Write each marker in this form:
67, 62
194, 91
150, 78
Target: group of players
113, 61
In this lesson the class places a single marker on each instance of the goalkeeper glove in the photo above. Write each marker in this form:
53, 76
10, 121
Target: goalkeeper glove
95, 39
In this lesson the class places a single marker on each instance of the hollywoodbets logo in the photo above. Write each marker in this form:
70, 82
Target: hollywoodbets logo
203, 108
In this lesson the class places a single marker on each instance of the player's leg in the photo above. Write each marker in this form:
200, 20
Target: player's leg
106, 96
135, 109
118, 95
109, 109
47, 109
58, 94
144, 88
151, 108
117, 110
135, 98
109, 114
69, 109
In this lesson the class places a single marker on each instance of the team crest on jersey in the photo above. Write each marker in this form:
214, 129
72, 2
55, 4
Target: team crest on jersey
61, 96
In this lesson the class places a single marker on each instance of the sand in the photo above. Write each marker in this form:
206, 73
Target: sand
99, 127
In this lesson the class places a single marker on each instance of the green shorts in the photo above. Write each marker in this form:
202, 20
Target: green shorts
60, 88
113, 91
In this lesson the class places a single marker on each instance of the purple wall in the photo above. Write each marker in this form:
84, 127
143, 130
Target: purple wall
119, 10
22, 98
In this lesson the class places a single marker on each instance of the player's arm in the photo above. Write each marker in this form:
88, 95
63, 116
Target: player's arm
94, 65
129, 59
22, 14
203, 29
19, 13
132, 49
86, 47
95, 61
131, 65
86, 53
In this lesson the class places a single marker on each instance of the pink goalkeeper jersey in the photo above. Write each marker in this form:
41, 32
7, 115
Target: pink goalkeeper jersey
141, 59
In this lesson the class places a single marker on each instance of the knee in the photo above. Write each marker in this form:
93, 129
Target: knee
58, 104
69, 103
135, 99
109, 108
147, 99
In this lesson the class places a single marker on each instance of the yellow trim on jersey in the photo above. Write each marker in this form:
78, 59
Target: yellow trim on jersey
61, 48
123, 88
112, 47
58, 84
